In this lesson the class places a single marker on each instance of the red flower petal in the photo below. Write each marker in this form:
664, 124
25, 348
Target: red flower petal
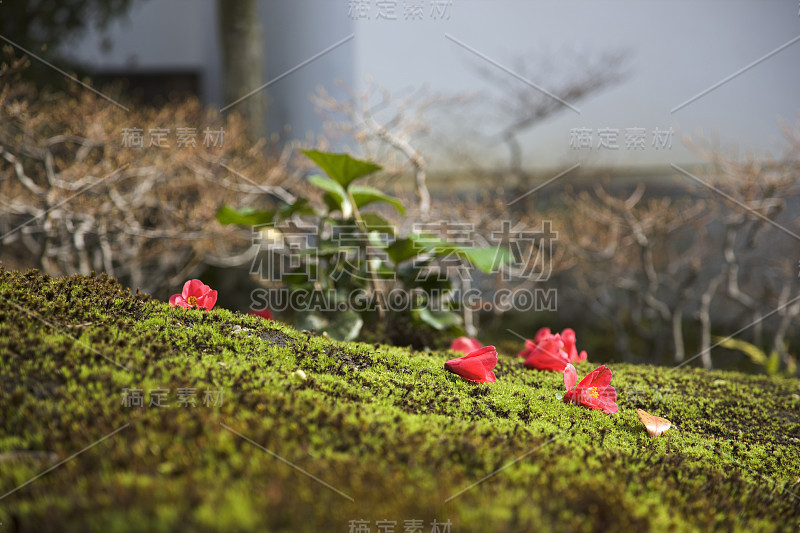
189, 288
542, 361
472, 370
530, 346
195, 294
548, 355
608, 400
465, 345
601, 377
264, 313
588, 381
208, 300
542, 334
596, 398
487, 354
568, 336
593, 391
570, 377
195, 287
475, 366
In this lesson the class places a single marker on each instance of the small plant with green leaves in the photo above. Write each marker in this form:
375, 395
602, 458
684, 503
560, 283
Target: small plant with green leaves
353, 268
770, 363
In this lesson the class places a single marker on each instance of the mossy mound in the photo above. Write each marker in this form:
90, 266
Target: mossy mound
369, 433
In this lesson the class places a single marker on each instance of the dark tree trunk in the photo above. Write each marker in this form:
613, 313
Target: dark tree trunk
243, 56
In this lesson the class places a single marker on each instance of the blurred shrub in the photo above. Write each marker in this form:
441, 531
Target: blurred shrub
78, 193
714, 252
351, 265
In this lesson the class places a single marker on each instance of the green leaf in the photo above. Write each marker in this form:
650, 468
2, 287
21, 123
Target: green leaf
751, 350
377, 224
425, 242
417, 279
383, 271
773, 363
402, 249
342, 168
335, 193
346, 327
438, 320
791, 367
363, 195
301, 206
296, 279
310, 321
325, 248
331, 202
487, 259
246, 216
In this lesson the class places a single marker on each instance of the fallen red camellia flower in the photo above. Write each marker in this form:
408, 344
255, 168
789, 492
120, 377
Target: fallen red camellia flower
547, 354
264, 313
475, 366
465, 345
568, 336
593, 391
195, 294
542, 334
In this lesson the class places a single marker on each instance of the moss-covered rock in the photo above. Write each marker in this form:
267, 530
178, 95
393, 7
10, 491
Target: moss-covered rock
364, 432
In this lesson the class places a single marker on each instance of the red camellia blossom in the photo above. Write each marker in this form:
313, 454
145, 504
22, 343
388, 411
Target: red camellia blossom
541, 352
264, 313
465, 345
593, 391
475, 366
568, 336
547, 354
542, 334
195, 295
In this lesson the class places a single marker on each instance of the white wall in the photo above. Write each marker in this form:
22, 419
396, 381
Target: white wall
164, 35
678, 48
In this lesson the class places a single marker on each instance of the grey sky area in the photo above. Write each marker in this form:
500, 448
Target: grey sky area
675, 51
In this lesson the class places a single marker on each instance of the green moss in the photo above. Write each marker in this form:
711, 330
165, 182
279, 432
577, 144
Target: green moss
373, 432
